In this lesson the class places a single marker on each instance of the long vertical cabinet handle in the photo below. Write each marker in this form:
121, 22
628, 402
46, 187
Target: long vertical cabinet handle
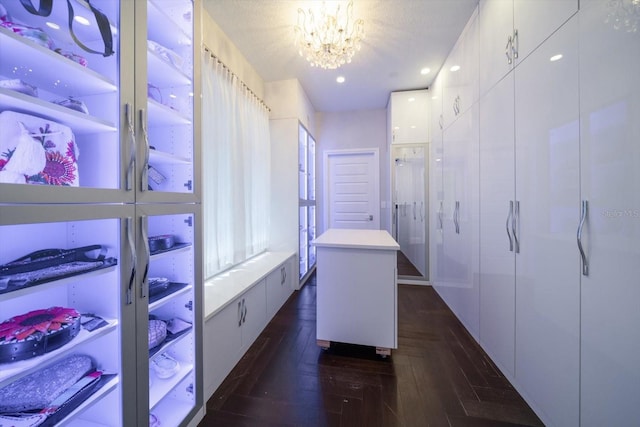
509, 219
414, 211
132, 146
144, 182
508, 50
145, 238
515, 44
457, 215
514, 225
239, 313
421, 211
134, 259
440, 212
583, 217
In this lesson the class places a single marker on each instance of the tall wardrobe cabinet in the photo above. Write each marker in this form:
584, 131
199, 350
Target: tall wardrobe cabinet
100, 200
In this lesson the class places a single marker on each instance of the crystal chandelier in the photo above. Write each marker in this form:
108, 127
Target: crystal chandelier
624, 15
328, 41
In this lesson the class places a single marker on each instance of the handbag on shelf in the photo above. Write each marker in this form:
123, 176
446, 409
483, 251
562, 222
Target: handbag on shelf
34, 150
52, 264
37, 332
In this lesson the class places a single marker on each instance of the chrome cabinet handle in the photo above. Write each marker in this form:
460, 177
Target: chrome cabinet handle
515, 45
421, 211
134, 260
132, 146
145, 239
239, 313
508, 50
456, 215
441, 121
144, 182
509, 217
414, 211
583, 217
440, 212
514, 226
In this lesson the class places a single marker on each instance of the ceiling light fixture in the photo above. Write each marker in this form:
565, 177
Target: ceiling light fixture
425, 71
340, 79
328, 41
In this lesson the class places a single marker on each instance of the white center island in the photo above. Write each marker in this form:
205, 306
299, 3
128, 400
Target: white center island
357, 288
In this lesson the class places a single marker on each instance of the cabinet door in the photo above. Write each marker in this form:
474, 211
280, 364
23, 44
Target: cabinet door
610, 183
459, 287
547, 189
222, 345
167, 112
409, 116
495, 29
66, 107
497, 255
535, 20
278, 285
53, 300
254, 314
169, 292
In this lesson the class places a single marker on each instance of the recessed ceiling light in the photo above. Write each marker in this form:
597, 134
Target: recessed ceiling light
411, 99
425, 71
81, 20
396, 127
434, 97
455, 68
340, 79
413, 126
555, 57
53, 25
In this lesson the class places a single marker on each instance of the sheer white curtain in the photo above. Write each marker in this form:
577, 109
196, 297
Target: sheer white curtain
236, 169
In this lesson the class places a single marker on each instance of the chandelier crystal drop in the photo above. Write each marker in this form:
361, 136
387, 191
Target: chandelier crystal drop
624, 15
328, 41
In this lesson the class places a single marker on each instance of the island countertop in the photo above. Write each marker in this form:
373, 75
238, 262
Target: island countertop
362, 239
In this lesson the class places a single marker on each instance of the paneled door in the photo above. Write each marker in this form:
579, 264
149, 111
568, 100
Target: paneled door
352, 190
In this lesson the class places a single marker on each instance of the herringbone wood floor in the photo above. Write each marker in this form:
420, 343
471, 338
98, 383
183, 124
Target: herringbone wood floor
438, 376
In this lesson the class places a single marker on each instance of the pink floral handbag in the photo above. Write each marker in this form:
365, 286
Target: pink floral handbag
34, 150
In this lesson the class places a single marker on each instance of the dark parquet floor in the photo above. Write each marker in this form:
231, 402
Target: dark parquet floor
438, 376
406, 267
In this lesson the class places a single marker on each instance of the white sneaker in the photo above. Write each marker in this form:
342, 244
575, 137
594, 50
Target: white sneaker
165, 366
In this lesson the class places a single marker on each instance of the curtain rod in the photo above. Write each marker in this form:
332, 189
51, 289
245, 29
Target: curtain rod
244, 85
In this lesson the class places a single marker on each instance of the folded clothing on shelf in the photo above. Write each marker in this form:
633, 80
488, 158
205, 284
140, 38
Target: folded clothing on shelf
34, 150
37, 332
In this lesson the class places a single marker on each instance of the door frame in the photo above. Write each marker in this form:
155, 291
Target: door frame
327, 179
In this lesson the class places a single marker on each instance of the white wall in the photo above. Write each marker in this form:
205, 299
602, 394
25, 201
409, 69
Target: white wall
288, 100
353, 130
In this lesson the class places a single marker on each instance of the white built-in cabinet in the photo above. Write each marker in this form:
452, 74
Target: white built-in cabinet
510, 30
546, 214
610, 185
497, 203
436, 202
558, 207
458, 284
409, 132
133, 176
408, 116
239, 304
306, 201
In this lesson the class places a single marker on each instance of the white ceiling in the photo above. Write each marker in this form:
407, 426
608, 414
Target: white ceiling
402, 37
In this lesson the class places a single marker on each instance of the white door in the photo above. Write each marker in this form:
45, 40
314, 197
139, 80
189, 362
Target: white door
610, 177
352, 190
547, 213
